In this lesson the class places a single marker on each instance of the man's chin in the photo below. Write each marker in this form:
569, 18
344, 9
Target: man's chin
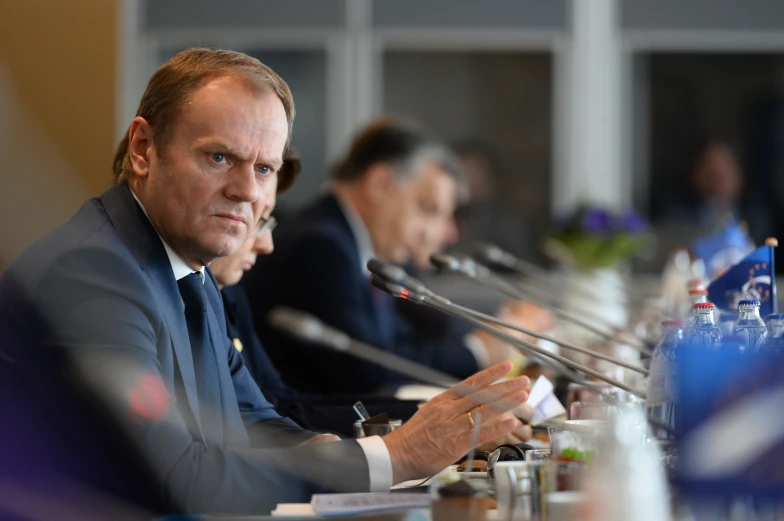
223, 248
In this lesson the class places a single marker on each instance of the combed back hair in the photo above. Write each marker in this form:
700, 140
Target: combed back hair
171, 86
399, 143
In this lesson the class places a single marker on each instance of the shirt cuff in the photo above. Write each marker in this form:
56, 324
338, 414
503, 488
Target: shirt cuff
474, 344
379, 463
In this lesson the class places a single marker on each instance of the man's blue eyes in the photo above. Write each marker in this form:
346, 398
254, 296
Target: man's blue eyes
217, 157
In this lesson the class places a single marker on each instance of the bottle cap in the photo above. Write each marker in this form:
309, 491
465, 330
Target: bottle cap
704, 305
698, 291
666, 323
772, 241
749, 303
775, 316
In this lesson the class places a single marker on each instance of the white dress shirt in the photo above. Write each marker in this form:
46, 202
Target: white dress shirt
376, 452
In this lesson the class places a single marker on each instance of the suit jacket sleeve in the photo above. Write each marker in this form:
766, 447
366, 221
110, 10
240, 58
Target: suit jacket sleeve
102, 315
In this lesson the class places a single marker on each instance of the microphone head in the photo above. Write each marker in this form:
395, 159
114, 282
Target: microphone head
306, 327
295, 322
445, 262
386, 270
396, 275
395, 290
494, 254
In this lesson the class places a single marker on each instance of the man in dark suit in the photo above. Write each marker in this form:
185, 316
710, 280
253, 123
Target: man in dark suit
118, 305
394, 185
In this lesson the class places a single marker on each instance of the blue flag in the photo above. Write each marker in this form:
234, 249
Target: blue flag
754, 277
731, 435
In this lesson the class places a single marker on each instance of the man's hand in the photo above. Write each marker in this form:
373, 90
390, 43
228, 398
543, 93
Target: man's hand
320, 438
440, 432
520, 435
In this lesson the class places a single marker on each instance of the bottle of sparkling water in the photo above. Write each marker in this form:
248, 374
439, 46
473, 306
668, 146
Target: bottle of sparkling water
726, 321
750, 325
774, 342
696, 296
660, 401
734, 343
703, 332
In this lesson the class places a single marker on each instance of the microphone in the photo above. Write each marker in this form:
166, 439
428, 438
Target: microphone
398, 291
528, 348
401, 292
565, 345
495, 255
396, 274
480, 273
307, 327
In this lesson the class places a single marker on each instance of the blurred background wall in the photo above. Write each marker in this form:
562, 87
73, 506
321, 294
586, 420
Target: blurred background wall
58, 106
598, 101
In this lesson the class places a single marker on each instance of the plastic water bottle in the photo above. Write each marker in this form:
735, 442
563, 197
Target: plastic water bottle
750, 325
774, 342
662, 388
735, 343
726, 320
703, 332
696, 296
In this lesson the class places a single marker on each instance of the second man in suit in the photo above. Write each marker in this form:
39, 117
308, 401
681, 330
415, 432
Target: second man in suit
394, 185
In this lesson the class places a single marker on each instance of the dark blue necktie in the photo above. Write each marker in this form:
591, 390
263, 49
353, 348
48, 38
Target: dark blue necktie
205, 362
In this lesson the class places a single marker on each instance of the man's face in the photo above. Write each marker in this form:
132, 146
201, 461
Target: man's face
718, 177
230, 270
416, 215
205, 190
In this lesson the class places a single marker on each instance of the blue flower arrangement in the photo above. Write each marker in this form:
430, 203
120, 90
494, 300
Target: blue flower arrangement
594, 238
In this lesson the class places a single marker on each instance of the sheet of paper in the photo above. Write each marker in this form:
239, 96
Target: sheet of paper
550, 407
544, 402
293, 510
361, 503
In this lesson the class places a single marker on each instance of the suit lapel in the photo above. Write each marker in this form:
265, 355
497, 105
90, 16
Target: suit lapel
144, 243
380, 302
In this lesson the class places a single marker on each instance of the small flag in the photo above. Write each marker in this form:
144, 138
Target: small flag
754, 277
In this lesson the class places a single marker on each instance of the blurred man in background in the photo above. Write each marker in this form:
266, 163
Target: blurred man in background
119, 304
714, 200
717, 181
394, 183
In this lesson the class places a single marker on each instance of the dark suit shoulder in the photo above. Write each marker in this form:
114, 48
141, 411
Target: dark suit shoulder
84, 253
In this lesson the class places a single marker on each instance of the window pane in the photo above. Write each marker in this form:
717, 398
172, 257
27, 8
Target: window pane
499, 100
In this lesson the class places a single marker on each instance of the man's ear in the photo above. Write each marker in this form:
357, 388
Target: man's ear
378, 182
140, 145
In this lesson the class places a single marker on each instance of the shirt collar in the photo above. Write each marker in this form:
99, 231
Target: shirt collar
359, 231
179, 267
